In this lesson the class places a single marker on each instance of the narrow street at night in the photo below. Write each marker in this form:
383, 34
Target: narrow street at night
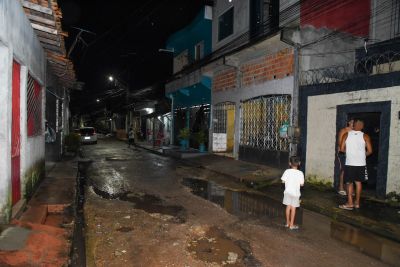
139, 213
189, 133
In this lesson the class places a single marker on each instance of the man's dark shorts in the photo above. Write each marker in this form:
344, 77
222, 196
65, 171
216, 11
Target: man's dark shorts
354, 174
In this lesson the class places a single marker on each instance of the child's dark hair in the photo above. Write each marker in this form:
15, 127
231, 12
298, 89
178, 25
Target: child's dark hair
294, 161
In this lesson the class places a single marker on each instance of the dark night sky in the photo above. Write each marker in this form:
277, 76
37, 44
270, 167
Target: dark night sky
128, 36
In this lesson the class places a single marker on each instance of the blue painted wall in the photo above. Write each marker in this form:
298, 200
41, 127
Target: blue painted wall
200, 29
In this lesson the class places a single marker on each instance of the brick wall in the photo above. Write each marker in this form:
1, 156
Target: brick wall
225, 80
269, 67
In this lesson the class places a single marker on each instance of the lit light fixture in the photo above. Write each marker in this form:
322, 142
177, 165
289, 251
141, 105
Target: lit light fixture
159, 117
166, 50
149, 110
97, 100
110, 78
110, 119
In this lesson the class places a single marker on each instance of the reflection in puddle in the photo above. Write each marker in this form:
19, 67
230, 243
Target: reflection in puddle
240, 203
244, 203
116, 159
368, 243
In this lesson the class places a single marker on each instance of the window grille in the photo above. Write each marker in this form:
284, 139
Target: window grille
220, 116
34, 107
261, 119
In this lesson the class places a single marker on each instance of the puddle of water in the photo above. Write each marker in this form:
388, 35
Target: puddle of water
319, 226
240, 203
368, 243
216, 247
148, 203
116, 159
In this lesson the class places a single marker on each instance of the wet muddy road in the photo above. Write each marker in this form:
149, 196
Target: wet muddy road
147, 210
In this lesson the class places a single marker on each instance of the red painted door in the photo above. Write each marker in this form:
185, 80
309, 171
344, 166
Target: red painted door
15, 134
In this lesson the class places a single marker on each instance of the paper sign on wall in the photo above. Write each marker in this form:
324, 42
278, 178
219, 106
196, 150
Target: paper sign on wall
219, 142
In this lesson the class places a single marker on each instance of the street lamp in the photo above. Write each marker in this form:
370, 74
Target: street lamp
97, 100
166, 50
111, 78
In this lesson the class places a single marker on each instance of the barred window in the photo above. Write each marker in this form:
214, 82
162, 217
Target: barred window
261, 119
34, 107
220, 116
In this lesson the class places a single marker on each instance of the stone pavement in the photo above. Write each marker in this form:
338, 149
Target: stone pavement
41, 235
378, 216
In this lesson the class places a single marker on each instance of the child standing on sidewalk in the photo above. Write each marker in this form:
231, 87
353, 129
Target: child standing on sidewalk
293, 179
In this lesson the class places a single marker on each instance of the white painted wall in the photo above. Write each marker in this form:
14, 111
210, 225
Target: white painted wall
321, 131
18, 42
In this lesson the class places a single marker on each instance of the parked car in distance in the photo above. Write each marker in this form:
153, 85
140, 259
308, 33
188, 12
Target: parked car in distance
88, 135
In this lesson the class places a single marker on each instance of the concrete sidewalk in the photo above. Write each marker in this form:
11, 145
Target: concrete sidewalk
377, 216
41, 235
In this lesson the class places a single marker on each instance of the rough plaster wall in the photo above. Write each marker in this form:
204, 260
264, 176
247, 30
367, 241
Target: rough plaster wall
5, 125
17, 41
321, 131
337, 50
240, 20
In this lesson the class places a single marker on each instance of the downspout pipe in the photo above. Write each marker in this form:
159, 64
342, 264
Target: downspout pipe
296, 86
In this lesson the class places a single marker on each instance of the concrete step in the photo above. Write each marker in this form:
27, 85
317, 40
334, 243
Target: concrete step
35, 214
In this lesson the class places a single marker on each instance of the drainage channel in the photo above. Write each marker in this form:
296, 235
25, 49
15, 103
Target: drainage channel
245, 204
78, 250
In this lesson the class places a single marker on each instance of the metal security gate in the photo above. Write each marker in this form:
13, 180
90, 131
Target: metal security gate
16, 135
224, 126
261, 119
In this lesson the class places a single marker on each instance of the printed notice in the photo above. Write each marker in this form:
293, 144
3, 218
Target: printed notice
219, 142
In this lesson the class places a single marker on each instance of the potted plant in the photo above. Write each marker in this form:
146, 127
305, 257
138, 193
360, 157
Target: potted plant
183, 136
200, 137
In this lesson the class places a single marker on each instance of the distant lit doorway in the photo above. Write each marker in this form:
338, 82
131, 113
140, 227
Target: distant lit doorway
372, 126
376, 118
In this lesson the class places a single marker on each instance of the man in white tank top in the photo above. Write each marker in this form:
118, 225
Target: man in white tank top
357, 146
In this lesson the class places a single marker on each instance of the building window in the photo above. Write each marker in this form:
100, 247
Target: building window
225, 24
34, 107
198, 51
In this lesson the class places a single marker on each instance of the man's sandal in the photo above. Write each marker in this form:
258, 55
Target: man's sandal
346, 207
